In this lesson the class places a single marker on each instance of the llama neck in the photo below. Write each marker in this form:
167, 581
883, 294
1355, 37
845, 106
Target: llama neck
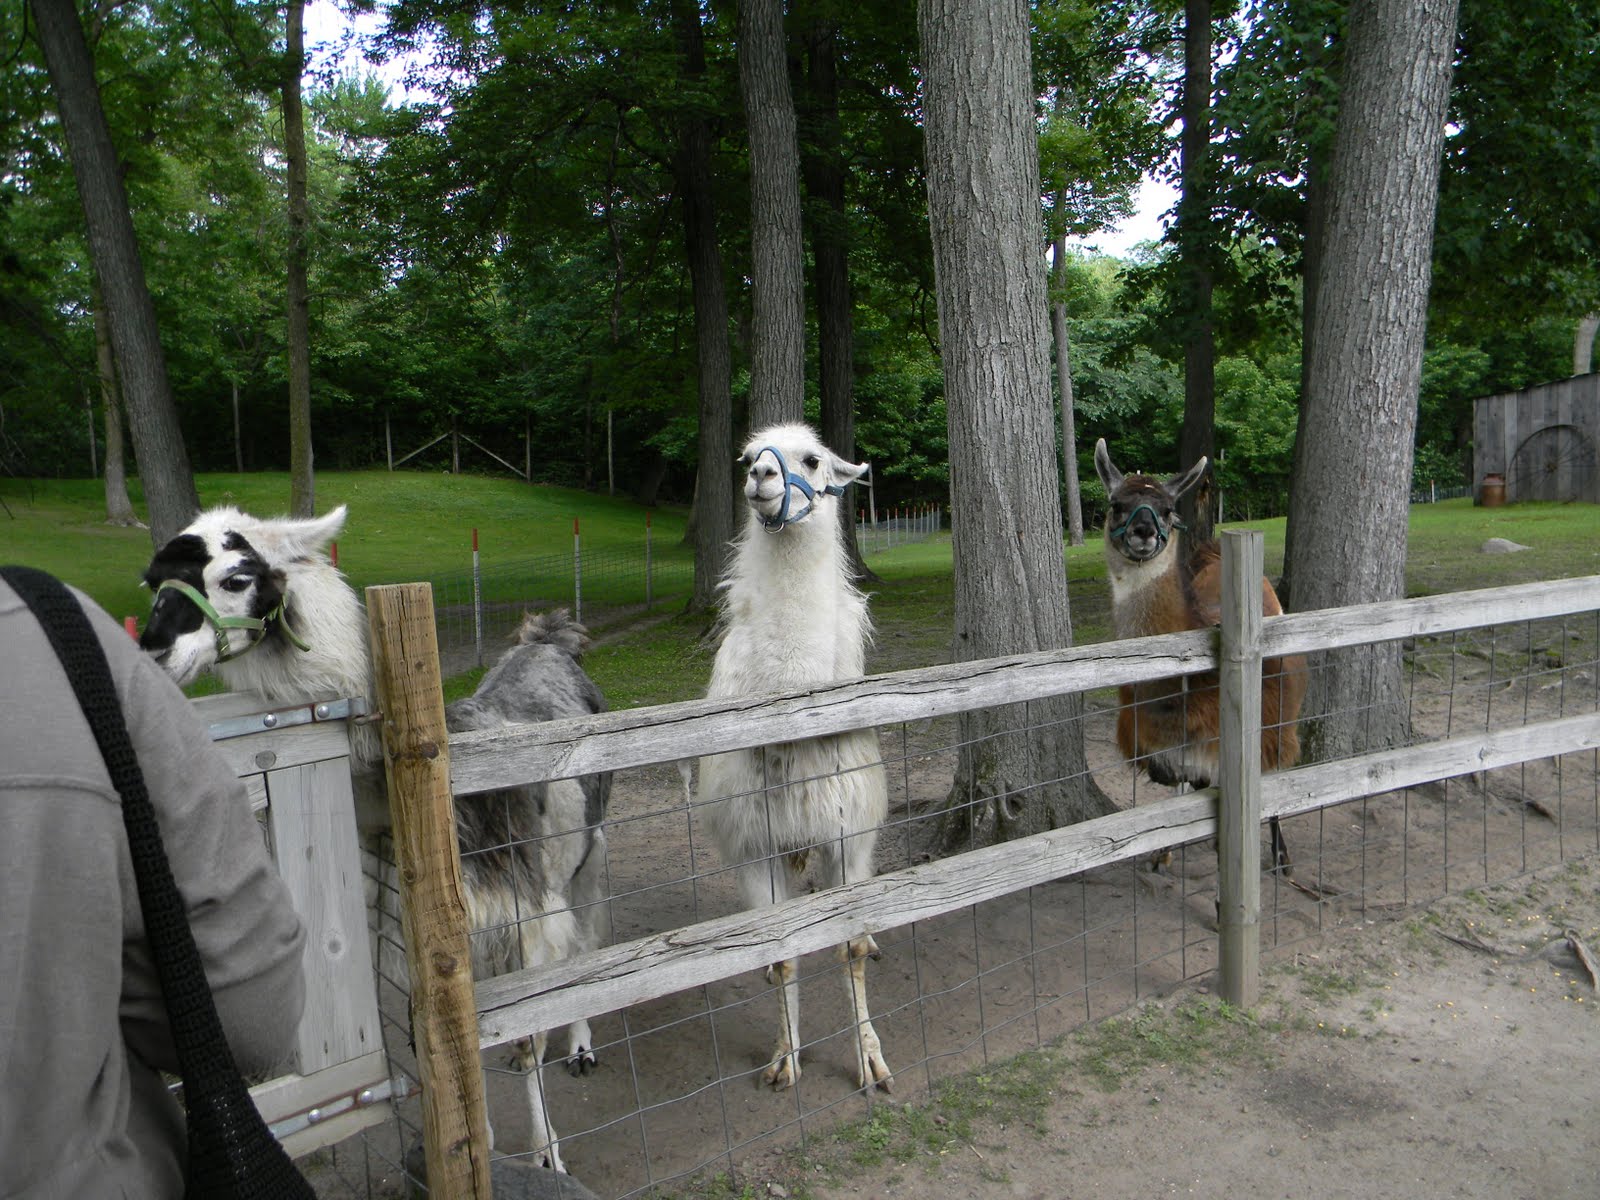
1147, 597
791, 616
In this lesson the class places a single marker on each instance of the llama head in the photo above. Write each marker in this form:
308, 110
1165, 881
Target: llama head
237, 567
1141, 510
789, 474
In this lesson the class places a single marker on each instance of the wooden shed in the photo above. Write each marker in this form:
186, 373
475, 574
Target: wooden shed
1541, 441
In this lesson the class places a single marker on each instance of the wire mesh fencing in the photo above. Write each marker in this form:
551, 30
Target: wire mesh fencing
479, 608
1434, 761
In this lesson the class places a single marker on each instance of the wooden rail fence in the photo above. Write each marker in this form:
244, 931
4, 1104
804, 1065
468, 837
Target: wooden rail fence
518, 1004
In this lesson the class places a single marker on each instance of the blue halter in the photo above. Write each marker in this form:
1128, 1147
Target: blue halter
783, 519
1161, 529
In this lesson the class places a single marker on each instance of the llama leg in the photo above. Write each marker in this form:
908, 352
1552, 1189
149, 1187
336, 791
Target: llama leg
784, 1069
540, 1132
761, 884
1280, 849
592, 912
870, 1065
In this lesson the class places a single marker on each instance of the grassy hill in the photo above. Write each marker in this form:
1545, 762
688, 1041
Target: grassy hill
416, 526
402, 525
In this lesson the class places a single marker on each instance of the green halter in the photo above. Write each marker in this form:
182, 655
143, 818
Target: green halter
221, 624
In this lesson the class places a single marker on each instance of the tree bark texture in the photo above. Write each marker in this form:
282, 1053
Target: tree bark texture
141, 366
1316, 225
119, 508
1021, 769
822, 171
1195, 242
302, 476
1351, 494
1069, 428
1583, 344
778, 350
714, 492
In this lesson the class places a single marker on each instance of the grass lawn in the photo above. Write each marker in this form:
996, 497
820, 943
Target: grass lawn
402, 526
410, 526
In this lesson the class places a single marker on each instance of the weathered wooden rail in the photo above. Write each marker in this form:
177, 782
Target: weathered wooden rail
518, 1004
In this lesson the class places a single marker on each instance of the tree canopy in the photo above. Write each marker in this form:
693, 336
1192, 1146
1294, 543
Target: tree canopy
504, 251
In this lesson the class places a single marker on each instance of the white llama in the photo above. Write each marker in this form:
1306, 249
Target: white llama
791, 618
258, 601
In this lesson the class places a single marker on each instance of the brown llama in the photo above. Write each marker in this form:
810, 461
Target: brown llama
1168, 727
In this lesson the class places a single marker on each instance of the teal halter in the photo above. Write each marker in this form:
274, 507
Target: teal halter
221, 624
783, 519
1161, 529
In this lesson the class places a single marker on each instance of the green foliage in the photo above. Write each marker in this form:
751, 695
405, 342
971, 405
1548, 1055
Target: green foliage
506, 256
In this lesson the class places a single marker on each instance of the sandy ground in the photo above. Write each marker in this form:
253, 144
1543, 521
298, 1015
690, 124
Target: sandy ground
1386, 1060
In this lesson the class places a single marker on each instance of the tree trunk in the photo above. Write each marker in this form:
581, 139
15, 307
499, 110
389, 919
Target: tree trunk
119, 508
1351, 492
1583, 345
1195, 248
1069, 428
1022, 768
1316, 225
823, 171
141, 367
714, 495
778, 351
238, 444
302, 477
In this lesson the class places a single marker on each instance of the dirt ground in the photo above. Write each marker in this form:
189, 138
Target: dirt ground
1382, 1058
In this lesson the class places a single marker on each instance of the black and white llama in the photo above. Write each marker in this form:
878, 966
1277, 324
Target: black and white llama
258, 602
792, 618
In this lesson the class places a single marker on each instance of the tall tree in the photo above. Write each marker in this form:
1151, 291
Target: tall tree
1351, 492
1063, 347
302, 477
1196, 247
119, 508
714, 492
822, 169
1022, 768
135, 339
778, 342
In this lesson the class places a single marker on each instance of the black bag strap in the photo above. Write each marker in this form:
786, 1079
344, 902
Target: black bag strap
232, 1153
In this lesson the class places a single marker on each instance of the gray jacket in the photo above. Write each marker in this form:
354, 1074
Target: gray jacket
84, 1112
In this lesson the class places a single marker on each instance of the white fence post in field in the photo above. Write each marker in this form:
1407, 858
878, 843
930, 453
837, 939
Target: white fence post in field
477, 600
577, 574
1239, 770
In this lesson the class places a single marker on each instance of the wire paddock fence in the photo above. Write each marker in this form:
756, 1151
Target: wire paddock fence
1479, 767
479, 607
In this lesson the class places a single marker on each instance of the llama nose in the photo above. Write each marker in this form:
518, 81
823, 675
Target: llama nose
762, 471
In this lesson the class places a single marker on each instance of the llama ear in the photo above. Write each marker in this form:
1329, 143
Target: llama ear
298, 539
1110, 477
844, 472
1179, 484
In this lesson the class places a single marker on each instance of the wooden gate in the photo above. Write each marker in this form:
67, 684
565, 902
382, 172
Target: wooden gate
295, 762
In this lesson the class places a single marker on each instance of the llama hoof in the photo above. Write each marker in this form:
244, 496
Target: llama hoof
783, 1072
581, 1062
875, 1073
523, 1056
550, 1160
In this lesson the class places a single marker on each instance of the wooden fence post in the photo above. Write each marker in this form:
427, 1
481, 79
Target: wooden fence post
405, 659
1239, 770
